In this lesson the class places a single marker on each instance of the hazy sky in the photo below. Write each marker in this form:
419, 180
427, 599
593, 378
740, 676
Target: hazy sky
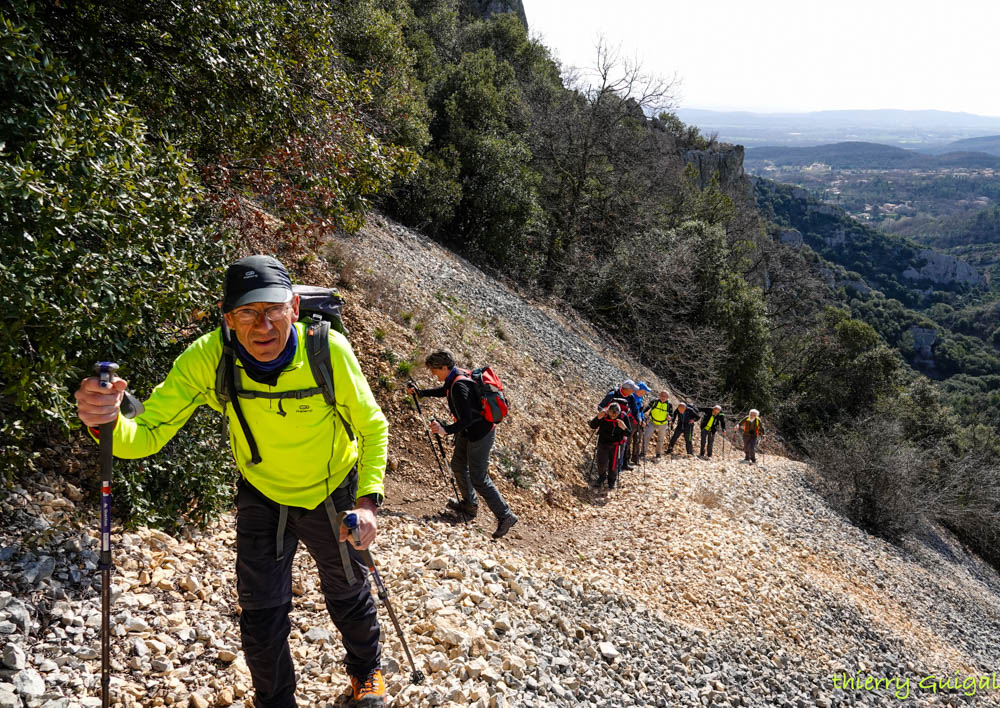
796, 55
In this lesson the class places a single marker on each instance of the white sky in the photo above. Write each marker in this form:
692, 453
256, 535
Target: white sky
794, 55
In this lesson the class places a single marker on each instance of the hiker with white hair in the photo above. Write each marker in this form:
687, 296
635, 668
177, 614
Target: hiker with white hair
684, 418
753, 431
710, 424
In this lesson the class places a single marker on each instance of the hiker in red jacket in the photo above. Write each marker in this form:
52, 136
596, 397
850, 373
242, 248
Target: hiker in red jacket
612, 429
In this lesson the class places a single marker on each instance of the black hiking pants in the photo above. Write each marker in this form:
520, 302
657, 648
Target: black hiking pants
750, 447
688, 432
264, 584
709, 437
607, 464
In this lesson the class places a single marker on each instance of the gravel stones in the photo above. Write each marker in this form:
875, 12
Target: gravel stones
13, 657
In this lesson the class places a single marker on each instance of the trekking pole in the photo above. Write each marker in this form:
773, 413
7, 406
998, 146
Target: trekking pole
645, 453
440, 464
350, 520
131, 407
105, 370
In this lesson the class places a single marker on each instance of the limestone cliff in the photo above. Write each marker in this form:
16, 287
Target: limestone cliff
727, 162
939, 268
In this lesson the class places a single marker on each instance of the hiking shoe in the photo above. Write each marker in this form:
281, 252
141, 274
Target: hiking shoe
504, 525
469, 510
370, 691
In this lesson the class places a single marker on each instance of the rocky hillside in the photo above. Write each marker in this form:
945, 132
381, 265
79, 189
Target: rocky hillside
695, 583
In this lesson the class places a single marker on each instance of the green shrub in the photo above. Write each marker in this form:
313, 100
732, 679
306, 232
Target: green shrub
873, 475
103, 255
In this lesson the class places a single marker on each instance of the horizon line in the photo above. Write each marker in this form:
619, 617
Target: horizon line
758, 111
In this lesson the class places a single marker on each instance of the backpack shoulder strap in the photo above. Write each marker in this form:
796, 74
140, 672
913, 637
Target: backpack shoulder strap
463, 375
225, 389
222, 390
318, 355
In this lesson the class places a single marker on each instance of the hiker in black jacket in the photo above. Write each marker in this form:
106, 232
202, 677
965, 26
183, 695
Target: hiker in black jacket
684, 418
474, 438
612, 429
624, 398
710, 424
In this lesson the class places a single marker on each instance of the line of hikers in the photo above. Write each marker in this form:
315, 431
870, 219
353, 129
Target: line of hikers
625, 424
289, 387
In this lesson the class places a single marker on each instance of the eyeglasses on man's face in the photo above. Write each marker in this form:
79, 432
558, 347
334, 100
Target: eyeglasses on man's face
248, 316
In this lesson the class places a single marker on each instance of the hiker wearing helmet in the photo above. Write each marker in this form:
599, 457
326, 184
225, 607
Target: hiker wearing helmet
710, 424
474, 437
683, 419
612, 429
636, 439
753, 430
623, 396
300, 465
657, 422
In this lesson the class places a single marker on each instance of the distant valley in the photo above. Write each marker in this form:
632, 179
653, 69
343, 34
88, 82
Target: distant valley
921, 130
950, 201
862, 155
909, 239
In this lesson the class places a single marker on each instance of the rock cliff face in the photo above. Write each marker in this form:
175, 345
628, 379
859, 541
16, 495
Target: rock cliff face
940, 268
488, 8
727, 162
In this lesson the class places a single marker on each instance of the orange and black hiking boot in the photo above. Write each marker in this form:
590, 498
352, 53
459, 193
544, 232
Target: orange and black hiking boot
370, 691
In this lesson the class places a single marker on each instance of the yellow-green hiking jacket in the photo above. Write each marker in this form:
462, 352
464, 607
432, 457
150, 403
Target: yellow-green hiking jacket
305, 454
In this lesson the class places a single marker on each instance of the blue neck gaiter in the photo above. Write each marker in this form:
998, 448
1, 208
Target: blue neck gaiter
267, 372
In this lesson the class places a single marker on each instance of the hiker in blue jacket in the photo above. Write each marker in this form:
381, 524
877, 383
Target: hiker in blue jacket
636, 439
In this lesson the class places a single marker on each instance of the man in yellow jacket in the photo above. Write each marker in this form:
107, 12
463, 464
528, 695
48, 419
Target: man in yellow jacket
311, 461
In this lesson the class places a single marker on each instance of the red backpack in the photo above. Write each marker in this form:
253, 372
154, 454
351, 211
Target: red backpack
489, 388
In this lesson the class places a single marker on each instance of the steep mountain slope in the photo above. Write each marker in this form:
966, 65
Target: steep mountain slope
695, 583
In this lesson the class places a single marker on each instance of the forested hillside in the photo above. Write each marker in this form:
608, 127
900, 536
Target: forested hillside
861, 155
145, 146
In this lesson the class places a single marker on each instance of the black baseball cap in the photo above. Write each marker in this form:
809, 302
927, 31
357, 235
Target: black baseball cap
255, 279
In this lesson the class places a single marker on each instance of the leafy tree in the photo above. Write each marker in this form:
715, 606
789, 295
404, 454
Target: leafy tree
137, 145
104, 252
841, 369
